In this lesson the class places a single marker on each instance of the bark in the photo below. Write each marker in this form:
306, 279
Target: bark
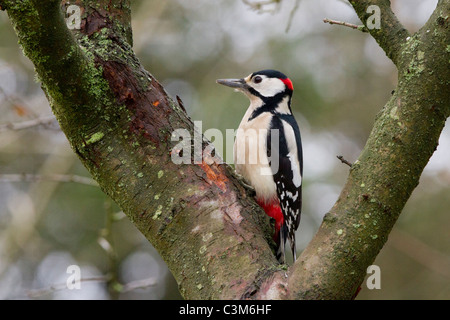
208, 229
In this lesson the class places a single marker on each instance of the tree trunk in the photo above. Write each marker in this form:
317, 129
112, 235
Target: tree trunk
208, 229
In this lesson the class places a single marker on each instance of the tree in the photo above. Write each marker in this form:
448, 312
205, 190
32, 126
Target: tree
119, 121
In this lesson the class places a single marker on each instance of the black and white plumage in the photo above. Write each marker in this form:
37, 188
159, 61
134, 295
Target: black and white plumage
268, 151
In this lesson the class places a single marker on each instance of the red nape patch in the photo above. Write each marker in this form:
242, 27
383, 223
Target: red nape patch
288, 83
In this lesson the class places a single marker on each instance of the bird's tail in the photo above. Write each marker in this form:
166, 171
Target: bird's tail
273, 210
283, 236
281, 244
291, 237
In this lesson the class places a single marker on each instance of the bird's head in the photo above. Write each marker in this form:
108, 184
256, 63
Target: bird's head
264, 85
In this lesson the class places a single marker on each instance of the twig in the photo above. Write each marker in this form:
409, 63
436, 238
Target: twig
291, 15
421, 252
26, 177
361, 28
40, 121
133, 285
181, 104
344, 161
259, 5
138, 284
36, 293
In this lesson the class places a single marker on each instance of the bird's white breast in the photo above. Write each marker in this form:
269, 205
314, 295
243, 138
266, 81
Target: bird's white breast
250, 154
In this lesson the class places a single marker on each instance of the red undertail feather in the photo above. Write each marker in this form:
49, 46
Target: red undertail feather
273, 210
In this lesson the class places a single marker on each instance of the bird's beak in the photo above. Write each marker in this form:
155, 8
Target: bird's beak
233, 83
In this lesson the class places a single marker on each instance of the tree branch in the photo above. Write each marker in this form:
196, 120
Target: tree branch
24, 177
214, 238
404, 136
127, 287
291, 15
391, 35
119, 120
40, 121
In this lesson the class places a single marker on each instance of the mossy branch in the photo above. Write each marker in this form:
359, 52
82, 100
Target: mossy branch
119, 121
404, 137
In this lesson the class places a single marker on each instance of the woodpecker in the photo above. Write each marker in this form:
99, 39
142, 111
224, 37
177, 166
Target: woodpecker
268, 151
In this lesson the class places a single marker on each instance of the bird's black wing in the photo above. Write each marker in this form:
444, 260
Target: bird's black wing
287, 169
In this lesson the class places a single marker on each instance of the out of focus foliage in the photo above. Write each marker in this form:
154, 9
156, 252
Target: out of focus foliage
342, 79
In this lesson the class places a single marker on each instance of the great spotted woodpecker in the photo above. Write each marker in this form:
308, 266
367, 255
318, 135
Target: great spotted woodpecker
268, 151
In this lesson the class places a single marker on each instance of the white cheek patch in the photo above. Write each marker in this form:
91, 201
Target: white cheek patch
268, 87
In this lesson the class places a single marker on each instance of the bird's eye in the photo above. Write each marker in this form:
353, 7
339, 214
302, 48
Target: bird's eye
257, 79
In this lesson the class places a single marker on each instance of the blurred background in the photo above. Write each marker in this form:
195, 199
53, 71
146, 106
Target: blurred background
53, 216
